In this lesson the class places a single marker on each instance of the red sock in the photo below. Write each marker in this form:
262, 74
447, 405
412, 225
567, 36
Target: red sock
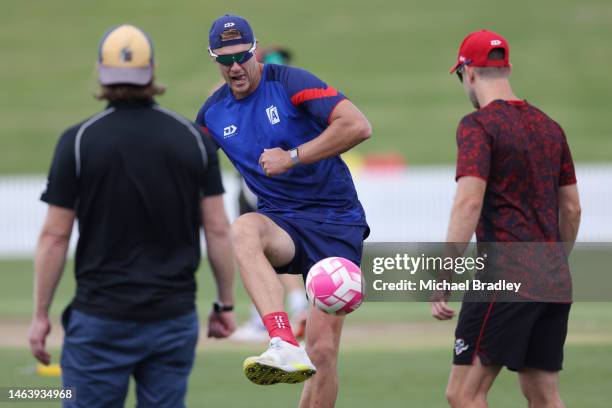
278, 325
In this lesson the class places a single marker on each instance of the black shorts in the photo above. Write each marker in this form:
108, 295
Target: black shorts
516, 335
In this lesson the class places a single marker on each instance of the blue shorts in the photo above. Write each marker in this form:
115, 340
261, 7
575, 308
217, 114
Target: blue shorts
100, 355
315, 240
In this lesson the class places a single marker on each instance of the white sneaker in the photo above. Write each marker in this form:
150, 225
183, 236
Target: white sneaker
281, 363
250, 333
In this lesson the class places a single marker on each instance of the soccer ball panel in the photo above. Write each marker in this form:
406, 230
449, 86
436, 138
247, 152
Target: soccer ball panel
335, 285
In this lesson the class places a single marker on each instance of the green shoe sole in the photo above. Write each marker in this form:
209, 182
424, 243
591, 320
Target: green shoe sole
263, 374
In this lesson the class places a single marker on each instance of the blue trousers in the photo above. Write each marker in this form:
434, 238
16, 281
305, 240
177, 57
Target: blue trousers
100, 355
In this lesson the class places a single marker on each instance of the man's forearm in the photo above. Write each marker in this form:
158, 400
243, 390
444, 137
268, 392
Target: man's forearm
340, 136
49, 264
464, 218
569, 215
219, 249
568, 228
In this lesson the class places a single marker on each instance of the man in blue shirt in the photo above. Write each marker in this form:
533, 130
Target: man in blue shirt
284, 129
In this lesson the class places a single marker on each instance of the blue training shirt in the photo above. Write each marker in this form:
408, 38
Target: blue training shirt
289, 107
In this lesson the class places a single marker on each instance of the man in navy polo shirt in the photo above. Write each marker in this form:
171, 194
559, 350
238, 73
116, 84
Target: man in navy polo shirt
284, 129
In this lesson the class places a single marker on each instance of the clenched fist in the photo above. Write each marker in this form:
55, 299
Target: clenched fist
275, 161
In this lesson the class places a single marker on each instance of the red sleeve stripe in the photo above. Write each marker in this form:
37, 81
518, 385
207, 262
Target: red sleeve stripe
313, 93
205, 130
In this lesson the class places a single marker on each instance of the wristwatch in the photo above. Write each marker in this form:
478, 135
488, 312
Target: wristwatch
219, 307
293, 154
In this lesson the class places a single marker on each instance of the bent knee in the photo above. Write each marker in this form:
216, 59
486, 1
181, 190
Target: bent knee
539, 399
459, 398
323, 353
542, 395
453, 397
246, 229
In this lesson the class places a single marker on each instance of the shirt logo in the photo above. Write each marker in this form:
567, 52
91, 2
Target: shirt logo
272, 113
460, 346
229, 131
495, 42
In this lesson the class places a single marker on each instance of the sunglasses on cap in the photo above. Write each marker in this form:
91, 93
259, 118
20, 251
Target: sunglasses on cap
238, 57
459, 69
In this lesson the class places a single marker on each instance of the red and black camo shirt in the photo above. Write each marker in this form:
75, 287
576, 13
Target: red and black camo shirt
524, 157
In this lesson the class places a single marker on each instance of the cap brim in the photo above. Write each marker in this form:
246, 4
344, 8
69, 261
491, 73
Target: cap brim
454, 68
114, 75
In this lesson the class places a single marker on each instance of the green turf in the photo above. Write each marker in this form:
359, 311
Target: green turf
16, 302
372, 375
381, 378
391, 59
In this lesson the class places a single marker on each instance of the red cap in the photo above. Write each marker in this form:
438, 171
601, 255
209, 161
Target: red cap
475, 48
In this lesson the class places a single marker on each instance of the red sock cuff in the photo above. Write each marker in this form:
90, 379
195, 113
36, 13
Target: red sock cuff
277, 324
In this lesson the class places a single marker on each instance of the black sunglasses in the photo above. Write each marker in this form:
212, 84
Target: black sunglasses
459, 70
238, 57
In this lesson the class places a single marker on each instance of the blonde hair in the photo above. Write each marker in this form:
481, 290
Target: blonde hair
230, 34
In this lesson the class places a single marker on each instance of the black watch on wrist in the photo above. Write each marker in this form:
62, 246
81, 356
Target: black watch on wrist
219, 307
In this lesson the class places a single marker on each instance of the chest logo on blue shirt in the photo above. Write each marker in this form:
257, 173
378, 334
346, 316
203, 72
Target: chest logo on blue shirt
272, 113
229, 131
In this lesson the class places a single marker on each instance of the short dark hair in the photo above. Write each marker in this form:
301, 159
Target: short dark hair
129, 92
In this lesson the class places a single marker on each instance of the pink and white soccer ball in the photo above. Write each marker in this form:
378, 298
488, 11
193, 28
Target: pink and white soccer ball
335, 285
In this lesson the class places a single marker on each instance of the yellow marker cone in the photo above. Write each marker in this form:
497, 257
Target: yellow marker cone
52, 370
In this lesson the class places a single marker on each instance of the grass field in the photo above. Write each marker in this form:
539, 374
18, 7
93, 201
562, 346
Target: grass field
392, 59
394, 354
386, 379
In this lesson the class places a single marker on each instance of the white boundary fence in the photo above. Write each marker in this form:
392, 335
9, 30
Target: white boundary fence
410, 205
